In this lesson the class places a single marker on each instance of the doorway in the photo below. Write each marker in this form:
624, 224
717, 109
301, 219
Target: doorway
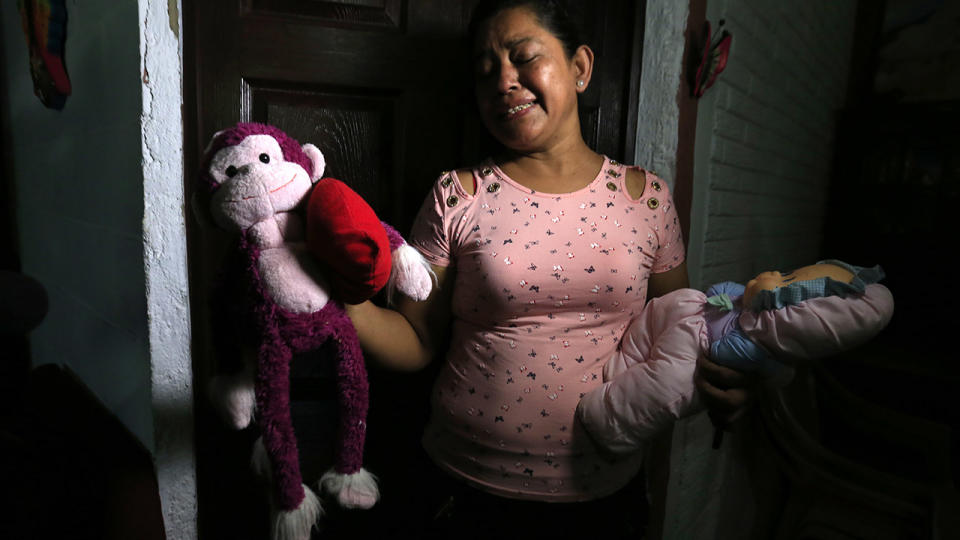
379, 87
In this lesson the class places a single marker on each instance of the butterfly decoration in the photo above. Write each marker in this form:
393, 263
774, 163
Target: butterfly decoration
713, 60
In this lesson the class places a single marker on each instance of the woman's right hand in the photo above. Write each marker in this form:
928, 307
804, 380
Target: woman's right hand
407, 338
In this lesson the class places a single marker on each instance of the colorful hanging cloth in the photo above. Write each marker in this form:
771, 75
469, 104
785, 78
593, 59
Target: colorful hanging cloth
45, 26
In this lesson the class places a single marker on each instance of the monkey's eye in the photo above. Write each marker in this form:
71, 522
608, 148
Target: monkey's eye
231, 171
264, 158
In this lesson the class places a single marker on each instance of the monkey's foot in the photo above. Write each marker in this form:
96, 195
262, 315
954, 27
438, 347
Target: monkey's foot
296, 524
357, 490
234, 398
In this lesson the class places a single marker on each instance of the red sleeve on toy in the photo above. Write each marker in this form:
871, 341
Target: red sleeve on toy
344, 234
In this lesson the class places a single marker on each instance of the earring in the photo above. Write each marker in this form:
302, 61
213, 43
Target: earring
580, 84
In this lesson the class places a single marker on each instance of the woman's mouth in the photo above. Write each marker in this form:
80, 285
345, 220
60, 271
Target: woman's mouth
517, 110
514, 110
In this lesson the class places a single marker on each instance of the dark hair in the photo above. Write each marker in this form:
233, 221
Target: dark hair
551, 14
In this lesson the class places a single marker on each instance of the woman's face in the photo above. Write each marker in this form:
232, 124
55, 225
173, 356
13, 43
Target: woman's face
526, 86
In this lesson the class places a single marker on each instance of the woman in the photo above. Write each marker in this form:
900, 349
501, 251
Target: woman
542, 255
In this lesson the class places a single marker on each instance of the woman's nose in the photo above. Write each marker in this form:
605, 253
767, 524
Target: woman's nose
507, 78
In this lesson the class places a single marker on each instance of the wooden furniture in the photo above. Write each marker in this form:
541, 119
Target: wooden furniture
70, 469
853, 469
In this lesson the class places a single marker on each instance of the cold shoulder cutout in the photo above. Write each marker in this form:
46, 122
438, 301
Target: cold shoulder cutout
467, 182
635, 182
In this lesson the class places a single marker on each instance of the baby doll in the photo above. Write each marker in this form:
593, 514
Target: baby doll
763, 327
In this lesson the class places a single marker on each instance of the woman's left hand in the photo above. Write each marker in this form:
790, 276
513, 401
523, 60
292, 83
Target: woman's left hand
727, 393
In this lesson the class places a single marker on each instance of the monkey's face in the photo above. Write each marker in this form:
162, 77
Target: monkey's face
255, 183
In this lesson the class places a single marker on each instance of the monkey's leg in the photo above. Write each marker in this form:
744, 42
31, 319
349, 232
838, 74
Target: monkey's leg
353, 486
298, 508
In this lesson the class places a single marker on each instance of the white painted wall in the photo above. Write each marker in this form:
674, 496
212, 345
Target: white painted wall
100, 211
660, 77
765, 135
165, 263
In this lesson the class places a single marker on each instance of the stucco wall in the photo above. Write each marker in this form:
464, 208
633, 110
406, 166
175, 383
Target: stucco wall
165, 263
78, 187
660, 72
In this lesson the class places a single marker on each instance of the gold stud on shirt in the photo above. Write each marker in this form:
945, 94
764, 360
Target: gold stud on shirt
653, 203
611, 186
446, 181
452, 201
487, 171
615, 163
656, 186
493, 188
613, 173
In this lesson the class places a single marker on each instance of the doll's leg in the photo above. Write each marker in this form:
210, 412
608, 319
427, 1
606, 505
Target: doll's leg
353, 486
297, 508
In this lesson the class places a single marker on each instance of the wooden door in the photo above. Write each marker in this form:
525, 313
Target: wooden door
380, 87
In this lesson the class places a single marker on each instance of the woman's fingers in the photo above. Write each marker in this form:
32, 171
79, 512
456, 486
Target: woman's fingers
723, 377
723, 400
727, 393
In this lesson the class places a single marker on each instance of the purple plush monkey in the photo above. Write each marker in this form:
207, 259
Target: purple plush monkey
258, 176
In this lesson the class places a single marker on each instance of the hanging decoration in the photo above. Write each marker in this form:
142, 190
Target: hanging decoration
713, 60
45, 26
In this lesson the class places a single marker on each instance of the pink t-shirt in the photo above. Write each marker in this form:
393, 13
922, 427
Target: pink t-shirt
545, 285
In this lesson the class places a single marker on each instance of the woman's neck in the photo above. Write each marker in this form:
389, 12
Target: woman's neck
561, 169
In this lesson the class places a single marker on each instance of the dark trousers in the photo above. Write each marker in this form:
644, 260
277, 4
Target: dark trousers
431, 505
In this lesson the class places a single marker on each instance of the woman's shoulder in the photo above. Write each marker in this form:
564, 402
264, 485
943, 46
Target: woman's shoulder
458, 180
637, 179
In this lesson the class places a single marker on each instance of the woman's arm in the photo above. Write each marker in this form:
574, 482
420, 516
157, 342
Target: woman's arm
408, 338
671, 280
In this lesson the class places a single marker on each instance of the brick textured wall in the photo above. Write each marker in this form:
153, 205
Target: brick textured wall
772, 122
764, 149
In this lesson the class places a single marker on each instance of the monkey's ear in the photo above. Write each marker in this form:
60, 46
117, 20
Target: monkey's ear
210, 144
316, 157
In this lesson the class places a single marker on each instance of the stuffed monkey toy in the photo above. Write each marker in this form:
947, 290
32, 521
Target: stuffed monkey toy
282, 293
763, 327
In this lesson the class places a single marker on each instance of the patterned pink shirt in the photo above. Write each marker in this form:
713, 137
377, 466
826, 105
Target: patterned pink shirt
545, 285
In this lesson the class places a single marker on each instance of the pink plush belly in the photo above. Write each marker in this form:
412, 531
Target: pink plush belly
292, 279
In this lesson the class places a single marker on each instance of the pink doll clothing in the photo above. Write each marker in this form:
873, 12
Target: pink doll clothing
544, 287
648, 381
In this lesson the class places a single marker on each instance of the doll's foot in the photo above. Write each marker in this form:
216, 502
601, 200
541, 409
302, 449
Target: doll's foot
357, 490
297, 523
234, 398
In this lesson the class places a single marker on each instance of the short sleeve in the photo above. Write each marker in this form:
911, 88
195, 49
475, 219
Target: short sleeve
671, 251
432, 232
